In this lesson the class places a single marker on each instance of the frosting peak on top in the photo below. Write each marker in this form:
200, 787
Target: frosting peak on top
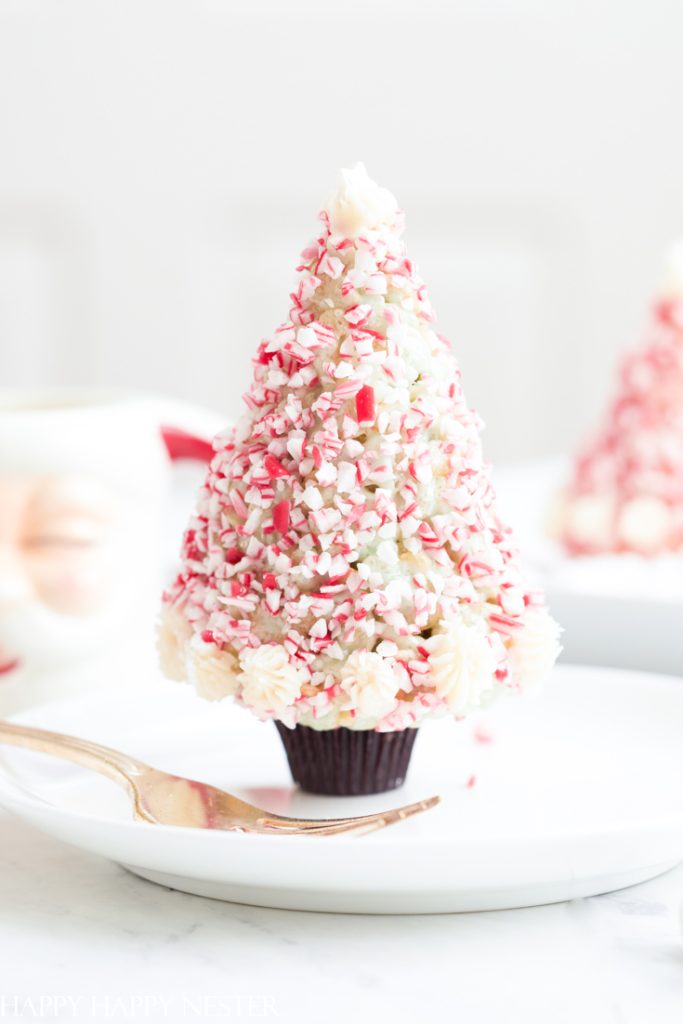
671, 285
360, 204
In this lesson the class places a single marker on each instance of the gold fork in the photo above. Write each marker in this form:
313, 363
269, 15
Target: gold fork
164, 799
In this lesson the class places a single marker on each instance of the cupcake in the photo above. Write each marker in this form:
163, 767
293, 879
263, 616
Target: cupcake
626, 490
346, 573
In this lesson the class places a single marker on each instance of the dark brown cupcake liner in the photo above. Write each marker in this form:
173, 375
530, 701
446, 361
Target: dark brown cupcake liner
347, 762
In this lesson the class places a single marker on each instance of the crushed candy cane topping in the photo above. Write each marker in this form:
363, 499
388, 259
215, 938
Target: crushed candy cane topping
346, 559
626, 491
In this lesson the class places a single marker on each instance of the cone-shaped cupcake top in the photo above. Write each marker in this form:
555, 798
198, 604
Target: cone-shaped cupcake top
626, 493
346, 565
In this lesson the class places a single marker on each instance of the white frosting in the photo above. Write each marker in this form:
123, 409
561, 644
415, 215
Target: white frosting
644, 524
671, 284
556, 514
360, 204
371, 684
270, 684
172, 639
589, 520
462, 664
213, 671
534, 649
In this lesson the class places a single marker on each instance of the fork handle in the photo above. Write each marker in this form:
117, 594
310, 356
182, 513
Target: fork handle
116, 766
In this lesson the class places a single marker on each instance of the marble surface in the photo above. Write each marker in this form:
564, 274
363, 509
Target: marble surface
80, 938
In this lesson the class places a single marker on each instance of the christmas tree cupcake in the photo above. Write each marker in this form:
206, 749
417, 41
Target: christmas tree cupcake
346, 573
626, 491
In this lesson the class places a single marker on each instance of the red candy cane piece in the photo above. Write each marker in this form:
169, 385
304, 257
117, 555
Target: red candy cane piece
365, 405
281, 516
274, 467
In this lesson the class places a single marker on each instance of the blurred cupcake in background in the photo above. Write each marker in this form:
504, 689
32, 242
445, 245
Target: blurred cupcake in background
626, 488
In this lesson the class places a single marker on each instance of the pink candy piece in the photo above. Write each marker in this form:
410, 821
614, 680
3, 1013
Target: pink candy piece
482, 735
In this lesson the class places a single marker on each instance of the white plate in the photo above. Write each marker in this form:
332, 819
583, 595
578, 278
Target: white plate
577, 792
621, 610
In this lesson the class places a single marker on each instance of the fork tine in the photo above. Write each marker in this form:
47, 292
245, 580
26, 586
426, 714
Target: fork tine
335, 826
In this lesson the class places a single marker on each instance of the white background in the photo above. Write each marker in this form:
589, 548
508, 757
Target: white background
161, 164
